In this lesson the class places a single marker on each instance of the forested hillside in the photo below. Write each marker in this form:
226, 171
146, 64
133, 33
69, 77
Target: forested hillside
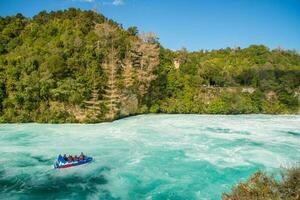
78, 66
229, 81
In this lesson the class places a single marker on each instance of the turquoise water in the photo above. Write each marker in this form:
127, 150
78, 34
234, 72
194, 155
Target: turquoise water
145, 157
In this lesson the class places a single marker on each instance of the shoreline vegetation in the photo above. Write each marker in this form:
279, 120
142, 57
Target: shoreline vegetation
78, 66
262, 186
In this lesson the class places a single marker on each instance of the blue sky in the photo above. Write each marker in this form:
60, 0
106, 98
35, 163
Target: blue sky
194, 24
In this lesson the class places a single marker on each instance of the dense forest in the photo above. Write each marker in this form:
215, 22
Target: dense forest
79, 66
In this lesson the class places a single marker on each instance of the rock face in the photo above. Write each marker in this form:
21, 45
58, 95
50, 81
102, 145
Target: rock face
297, 93
271, 95
129, 105
249, 90
176, 64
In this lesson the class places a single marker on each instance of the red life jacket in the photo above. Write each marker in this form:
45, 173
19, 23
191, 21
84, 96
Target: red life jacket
81, 157
70, 158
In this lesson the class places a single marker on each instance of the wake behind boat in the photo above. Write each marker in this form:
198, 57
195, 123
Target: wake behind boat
66, 162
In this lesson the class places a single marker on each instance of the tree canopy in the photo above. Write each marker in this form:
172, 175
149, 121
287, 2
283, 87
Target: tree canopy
79, 66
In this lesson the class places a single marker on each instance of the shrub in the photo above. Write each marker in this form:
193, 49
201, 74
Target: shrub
263, 187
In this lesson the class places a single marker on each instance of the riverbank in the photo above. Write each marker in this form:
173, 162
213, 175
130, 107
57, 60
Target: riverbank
144, 114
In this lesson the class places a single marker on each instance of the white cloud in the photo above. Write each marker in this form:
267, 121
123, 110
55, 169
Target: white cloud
111, 2
117, 2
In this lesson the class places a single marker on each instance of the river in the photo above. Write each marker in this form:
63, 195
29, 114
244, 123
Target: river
148, 157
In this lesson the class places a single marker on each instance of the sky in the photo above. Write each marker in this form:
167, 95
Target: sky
193, 24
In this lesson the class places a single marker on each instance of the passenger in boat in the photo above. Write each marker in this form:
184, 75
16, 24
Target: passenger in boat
60, 158
70, 158
65, 157
81, 157
76, 158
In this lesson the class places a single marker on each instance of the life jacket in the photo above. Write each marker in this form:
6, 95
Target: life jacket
81, 157
60, 158
70, 158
